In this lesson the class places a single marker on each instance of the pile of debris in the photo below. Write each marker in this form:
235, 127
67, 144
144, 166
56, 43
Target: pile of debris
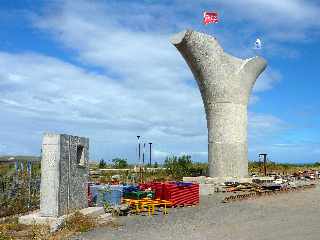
261, 188
236, 189
134, 199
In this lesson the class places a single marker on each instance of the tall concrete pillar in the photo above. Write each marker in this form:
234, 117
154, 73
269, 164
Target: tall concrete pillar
225, 83
64, 174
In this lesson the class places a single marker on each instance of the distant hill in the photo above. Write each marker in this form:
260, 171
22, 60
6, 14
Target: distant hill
19, 158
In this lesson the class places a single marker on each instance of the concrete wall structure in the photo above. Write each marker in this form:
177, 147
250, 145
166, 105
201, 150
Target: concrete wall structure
64, 174
225, 83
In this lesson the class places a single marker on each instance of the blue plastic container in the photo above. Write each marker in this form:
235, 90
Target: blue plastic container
110, 194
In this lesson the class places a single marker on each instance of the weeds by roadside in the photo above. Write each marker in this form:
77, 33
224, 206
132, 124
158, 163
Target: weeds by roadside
74, 225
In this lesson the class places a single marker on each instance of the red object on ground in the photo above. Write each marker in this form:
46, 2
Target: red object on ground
171, 191
89, 195
182, 194
157, 187
210, 17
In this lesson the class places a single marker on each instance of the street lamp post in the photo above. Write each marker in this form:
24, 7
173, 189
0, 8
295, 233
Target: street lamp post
139, 159
150, 153
264, 155
143, 150
138, 148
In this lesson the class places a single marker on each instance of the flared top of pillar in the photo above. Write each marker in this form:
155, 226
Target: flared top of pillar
221, 77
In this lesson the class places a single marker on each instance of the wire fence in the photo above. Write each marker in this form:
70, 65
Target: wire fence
19, 193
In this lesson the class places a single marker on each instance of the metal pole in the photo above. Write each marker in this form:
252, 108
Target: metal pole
143, 150
264, 155
139, 156
139, 147
150, 153
265, 165
29, 173
144, 147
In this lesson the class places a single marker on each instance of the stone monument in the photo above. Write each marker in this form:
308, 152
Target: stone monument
64, 178
64, 174
225, 83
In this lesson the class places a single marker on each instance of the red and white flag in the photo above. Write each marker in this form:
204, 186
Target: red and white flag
210, 17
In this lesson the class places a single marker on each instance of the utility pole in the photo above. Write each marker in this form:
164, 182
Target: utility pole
150, 143
264, 155
144, 147
139, 159
139, 147
143, 169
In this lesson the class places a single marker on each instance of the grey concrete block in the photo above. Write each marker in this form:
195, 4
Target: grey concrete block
64, 174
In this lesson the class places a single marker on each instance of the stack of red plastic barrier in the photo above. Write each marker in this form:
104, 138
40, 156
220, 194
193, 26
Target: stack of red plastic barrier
182, 193
157, 187
177, 192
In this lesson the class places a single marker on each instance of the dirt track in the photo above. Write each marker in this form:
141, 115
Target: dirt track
287, 216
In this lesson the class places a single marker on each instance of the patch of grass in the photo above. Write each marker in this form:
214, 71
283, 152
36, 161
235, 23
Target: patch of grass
39, 232
74, 225
11, 229
4, 236
80, 223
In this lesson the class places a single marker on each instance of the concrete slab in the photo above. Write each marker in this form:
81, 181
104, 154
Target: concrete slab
56, 222
36, 218
93, 211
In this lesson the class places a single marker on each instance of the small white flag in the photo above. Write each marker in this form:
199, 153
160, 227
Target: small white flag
258, 44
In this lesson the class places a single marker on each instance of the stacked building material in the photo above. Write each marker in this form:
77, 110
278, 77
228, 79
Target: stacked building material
180, 194
157, 187
176, 192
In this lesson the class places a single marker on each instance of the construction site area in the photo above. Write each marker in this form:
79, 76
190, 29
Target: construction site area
283, 216
132, 202
159, 120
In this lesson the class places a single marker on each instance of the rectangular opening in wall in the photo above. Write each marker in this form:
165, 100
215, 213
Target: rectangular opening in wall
80, 155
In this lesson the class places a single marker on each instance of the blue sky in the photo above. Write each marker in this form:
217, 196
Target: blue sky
106, 70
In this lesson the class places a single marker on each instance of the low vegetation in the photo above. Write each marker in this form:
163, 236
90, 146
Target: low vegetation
76, 224
281, 168
19, 193
175, 167
178, 167
118, 163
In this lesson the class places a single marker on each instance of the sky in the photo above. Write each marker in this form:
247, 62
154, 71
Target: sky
107, 70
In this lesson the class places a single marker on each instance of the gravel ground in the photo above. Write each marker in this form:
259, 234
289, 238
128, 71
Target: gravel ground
293, 216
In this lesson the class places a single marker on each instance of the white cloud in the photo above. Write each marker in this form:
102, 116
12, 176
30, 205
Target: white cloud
292, 17
128, 80
267, 80
2, 148
279, 24
261, 125
160, 154
50, 90
253, 99
140, 58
